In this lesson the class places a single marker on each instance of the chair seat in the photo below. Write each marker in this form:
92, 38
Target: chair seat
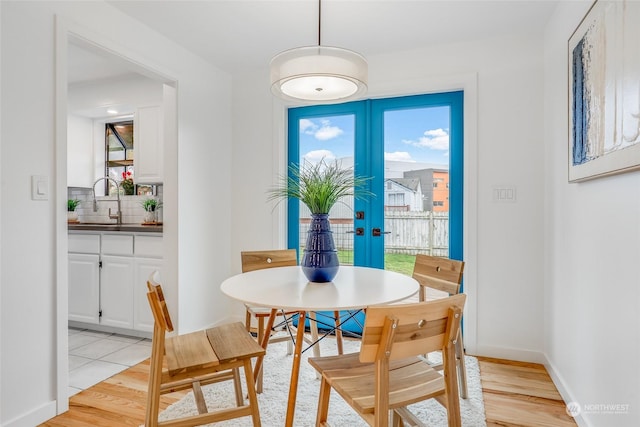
194, 351
410, 380
231, 342
349, 361
263, 311
189, 352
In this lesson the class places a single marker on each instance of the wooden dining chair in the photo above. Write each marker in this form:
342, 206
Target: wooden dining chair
197, 359
388, 373
443, 275
258, 260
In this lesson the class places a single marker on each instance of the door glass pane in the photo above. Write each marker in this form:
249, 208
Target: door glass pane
416, 183
118, 152
330, 139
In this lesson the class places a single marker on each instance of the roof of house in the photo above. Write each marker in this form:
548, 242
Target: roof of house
410, 183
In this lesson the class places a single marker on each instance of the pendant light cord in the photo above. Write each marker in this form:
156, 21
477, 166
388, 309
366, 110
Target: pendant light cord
319, 21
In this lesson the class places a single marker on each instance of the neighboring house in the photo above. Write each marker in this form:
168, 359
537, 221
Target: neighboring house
403, 194
440, 188
435, 188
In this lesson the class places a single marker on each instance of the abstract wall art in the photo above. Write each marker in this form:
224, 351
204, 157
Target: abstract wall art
604, 91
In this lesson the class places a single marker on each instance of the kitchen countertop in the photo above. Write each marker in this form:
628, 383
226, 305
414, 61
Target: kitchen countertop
131, 228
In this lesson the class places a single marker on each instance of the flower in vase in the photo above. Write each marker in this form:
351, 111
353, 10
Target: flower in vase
127, 182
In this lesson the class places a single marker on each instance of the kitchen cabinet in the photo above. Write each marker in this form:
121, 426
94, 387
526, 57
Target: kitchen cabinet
116, 291
148, 145
84, 285
116, 280
84, 277
80, 155
142, 316
148, 258
108, 272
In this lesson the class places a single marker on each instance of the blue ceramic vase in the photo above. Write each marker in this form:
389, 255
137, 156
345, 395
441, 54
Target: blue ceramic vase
320, 258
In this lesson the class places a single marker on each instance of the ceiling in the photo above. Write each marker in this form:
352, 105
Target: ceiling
238, 35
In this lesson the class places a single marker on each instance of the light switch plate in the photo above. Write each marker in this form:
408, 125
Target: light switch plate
39, 187
504, 193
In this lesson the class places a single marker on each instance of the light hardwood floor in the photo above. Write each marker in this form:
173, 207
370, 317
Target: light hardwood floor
515, 394
520, 394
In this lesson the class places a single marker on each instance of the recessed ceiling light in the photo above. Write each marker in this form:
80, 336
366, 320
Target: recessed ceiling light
110, 111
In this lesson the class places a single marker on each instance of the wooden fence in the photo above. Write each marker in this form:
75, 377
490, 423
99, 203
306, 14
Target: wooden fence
407, 232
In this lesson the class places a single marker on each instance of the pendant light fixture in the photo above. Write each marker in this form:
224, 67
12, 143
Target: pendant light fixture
318, 74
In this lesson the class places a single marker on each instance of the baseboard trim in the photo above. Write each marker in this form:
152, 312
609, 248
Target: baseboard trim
564, 391
110, 329
509, 353
34, 417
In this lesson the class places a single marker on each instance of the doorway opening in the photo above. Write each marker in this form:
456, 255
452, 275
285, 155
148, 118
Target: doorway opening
116, 63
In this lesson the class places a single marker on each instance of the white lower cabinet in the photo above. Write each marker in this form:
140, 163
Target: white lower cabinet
116, 292
84, 286
142, 316
108, 287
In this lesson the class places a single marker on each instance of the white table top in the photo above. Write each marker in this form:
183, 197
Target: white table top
288, 288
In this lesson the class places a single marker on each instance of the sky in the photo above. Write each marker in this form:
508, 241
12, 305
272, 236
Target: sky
412, 135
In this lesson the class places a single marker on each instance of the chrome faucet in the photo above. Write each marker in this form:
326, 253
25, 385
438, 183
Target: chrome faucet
118, 215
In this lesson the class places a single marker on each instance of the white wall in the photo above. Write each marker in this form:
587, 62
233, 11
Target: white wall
592, 248
28, 317
505, 148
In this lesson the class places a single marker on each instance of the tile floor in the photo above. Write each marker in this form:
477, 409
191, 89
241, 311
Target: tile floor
95, 356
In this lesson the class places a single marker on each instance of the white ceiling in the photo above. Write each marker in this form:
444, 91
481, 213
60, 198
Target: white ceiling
237, 35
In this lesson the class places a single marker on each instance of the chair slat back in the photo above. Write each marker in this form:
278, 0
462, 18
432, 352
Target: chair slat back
158, 304
438, 273
257, 260
420, 328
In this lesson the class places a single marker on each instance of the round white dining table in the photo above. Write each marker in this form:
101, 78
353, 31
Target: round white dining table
287, 288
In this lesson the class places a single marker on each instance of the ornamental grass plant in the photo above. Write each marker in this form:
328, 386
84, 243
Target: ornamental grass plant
319, 185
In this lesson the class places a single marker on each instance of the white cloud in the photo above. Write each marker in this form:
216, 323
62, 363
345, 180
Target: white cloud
327, 131
402, 156
317, 155
435, 139
323, 132
307, 126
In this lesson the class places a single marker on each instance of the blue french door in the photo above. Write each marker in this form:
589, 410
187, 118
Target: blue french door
412, 149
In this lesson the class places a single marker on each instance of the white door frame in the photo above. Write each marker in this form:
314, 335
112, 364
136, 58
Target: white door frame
67, 30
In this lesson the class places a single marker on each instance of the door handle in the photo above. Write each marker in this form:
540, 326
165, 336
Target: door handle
376, 232
358, 231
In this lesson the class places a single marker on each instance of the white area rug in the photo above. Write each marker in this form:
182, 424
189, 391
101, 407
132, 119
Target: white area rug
273, 400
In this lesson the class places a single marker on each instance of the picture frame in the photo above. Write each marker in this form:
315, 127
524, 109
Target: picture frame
604, 91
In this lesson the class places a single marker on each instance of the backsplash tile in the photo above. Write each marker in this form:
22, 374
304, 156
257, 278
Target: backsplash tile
132, 211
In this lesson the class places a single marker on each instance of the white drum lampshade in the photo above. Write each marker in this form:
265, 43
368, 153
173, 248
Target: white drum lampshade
318, 74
